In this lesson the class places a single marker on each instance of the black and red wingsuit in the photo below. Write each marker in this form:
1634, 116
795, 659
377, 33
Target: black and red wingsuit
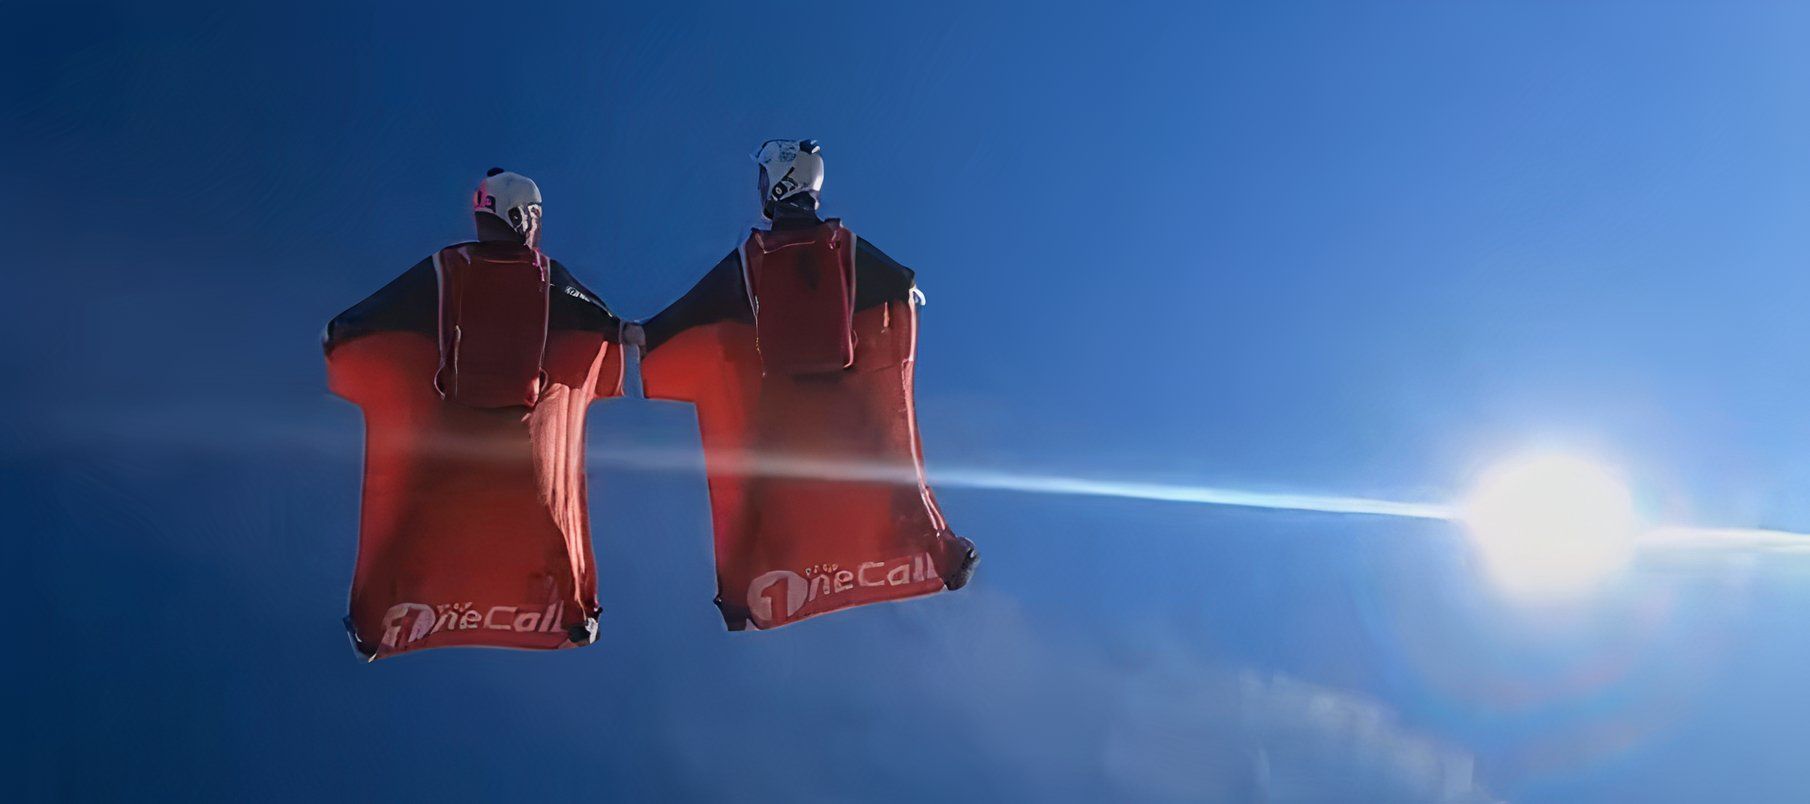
798, 351
474, 370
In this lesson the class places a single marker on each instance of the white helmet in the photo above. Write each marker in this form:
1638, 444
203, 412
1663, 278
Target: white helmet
789, 169
512, 197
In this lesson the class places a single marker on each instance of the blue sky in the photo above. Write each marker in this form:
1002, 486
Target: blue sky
1335, 248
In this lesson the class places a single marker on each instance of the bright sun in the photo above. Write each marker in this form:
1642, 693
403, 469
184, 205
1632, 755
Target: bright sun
1551, 525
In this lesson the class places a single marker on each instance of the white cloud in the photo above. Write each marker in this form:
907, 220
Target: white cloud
1154, 721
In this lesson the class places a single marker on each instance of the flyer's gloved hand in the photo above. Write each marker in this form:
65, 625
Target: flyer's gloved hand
633, 335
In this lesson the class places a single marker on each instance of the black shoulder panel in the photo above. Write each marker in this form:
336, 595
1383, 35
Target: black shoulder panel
572, 306
719, 296
878, 278
409, 303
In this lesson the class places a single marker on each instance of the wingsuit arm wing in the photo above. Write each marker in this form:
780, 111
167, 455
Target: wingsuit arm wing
407, 304
879, 278
575, 307
697, 341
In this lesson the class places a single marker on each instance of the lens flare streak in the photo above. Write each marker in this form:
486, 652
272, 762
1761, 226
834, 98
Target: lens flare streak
1668, 537
1199, 495
769, 465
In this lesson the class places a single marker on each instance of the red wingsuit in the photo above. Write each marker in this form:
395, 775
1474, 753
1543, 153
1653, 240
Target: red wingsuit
474, 370
798, 352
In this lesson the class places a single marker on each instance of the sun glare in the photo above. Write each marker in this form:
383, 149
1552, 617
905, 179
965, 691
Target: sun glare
1551, 525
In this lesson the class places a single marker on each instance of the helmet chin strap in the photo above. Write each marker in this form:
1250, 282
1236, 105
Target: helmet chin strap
798, 206
492, 229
